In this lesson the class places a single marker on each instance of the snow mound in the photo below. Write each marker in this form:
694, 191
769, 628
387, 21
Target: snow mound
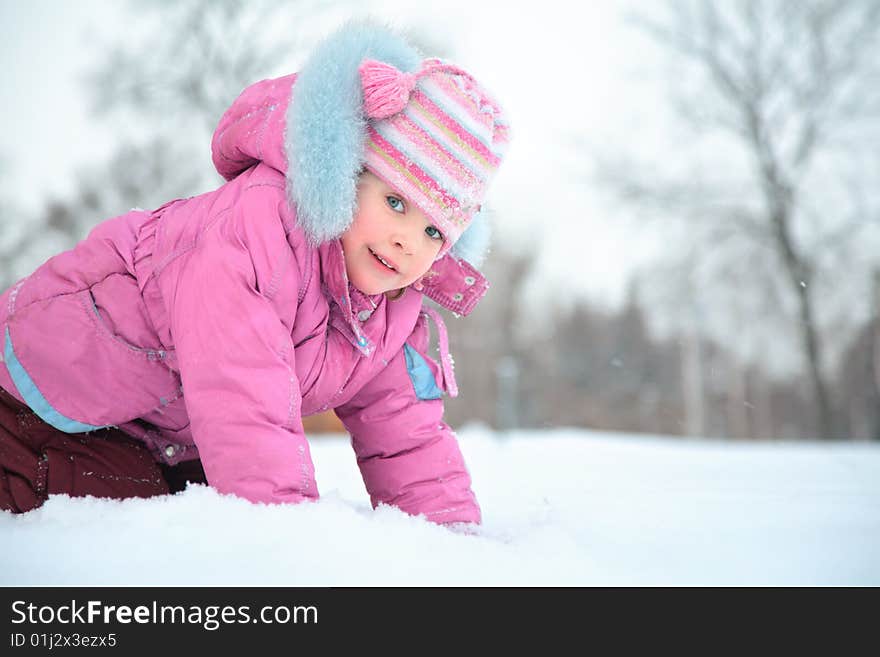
563, 507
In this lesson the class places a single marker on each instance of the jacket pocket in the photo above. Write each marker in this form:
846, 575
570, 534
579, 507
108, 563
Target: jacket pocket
118, 295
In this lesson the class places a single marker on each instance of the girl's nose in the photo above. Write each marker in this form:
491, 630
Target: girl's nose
402, 240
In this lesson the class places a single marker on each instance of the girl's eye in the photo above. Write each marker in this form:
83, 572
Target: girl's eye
396, 204
433, 233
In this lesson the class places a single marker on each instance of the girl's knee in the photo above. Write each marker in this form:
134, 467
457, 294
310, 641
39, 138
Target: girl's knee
110, 466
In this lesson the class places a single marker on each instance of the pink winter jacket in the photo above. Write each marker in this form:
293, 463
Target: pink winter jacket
209, 327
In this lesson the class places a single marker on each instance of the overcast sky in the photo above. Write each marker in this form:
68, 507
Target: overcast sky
563, 74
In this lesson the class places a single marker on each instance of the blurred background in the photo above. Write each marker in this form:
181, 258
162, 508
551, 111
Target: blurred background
685, 228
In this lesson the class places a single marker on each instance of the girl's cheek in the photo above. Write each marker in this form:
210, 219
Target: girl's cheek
422, 271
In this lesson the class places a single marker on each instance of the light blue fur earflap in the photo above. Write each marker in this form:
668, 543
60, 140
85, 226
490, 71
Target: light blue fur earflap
326, 133
473, 244
326, 128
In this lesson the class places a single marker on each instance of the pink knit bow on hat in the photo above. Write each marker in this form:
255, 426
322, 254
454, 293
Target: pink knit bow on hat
387, 89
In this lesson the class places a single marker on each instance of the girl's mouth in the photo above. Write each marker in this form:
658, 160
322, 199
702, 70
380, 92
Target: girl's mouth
388, 265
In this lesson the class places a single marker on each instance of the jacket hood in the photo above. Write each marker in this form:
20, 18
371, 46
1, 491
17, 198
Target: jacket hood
310, 126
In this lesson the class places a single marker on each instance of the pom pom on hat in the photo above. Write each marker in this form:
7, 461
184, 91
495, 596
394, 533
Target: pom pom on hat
386, 88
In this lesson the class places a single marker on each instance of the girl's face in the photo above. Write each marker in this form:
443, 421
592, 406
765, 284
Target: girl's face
387, 228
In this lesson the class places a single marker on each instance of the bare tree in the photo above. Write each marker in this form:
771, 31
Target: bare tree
791, 86
176, 71
188, 60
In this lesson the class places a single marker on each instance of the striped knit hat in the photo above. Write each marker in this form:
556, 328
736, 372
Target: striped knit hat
367, 98
435, 136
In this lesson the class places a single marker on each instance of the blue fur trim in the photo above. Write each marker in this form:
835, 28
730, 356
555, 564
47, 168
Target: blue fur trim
326, 129
473, 245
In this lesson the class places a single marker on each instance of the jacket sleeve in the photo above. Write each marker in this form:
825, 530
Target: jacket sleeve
407, 455
236, 358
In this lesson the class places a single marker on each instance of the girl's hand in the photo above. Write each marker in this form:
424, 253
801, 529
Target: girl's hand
464, 528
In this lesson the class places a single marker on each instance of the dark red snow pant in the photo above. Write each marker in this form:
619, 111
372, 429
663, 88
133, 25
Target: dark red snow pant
36, 459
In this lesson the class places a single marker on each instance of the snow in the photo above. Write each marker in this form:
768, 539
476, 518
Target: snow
560, 507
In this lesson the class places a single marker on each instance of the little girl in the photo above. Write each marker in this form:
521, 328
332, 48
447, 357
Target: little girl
201, 333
